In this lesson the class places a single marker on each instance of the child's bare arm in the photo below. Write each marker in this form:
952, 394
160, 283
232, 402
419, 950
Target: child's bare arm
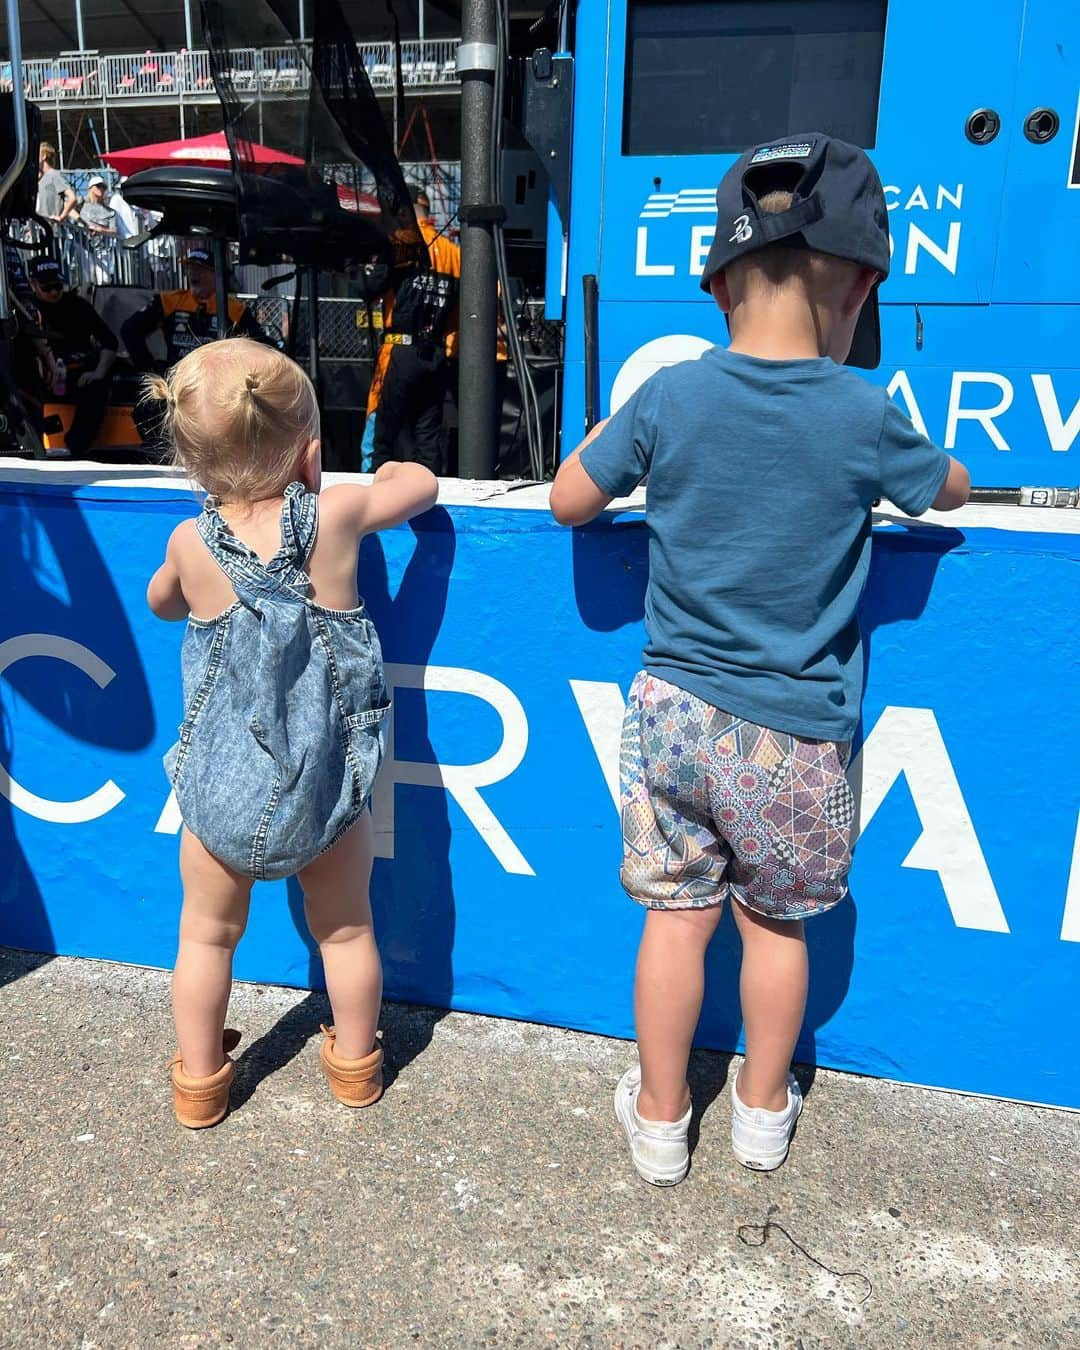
164, 594
956, 488
397, 493
575, 498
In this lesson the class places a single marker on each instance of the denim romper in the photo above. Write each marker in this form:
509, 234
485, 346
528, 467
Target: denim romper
284, 707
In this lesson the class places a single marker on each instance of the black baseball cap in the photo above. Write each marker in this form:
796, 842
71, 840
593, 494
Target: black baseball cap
838, 208
46, 271
201, 257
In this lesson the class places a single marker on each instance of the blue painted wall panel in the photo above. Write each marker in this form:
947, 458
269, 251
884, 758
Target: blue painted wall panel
951, 970
970, 224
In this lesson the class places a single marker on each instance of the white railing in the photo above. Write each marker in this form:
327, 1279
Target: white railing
138, 76
70, 76
81, 78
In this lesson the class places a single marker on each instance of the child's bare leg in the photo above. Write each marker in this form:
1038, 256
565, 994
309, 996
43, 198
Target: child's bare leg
772, 987
668, 990
339, 916
212, 922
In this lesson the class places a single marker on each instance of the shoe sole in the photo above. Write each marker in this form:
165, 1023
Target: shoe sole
654, 1178
194, 1123
767, 1162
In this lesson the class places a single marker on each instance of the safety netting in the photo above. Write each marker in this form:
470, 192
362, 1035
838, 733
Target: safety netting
334, 196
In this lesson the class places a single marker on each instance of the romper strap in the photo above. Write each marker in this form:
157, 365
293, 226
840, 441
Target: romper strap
286, 569
234, 558
299, 525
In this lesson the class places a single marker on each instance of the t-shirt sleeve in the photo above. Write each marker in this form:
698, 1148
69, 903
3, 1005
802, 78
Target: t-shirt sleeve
912, 470
620, 456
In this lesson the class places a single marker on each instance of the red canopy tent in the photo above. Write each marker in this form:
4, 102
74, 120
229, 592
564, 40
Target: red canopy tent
210, 152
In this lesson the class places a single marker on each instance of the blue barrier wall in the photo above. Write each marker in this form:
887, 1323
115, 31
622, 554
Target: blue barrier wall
510, 643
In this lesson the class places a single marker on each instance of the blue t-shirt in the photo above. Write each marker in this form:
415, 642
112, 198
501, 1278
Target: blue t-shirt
761, 479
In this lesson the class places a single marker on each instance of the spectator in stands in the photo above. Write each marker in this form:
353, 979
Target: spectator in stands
187, 319
55, 197
77, 350
100, 220
419, 332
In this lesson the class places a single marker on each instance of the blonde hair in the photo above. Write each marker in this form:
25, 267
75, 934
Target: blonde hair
47, 154
782, 262
238, 416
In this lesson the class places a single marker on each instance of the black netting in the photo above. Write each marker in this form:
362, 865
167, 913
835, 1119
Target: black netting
316, 175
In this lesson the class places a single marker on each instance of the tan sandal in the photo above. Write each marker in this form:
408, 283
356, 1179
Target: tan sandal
354, 1082
200, 1102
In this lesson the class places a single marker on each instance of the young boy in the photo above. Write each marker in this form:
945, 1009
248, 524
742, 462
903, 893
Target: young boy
764, 460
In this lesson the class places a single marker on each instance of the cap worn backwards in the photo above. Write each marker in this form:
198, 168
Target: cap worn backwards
838, 208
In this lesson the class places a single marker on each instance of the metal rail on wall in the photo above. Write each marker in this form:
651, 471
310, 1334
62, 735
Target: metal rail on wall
1026, 496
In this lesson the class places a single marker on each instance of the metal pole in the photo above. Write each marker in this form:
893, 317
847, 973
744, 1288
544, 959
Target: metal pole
79, 25
476, 370
18, 109
420, 24
300, 12
221, 284
591, 297
187, 26
312, 274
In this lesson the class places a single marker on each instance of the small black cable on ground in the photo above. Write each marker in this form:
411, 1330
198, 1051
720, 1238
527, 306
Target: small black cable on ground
761, 1231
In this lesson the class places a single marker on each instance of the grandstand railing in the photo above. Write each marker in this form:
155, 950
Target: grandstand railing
79, 77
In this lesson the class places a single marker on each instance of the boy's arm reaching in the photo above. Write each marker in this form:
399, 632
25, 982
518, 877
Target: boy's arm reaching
164, 594
575, 498
914, 474
956, 488
397, 493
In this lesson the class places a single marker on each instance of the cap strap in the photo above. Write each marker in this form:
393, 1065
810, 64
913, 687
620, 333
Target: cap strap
786, 223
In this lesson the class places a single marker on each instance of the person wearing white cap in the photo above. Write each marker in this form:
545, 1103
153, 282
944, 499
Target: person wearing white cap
94, 213
100, 220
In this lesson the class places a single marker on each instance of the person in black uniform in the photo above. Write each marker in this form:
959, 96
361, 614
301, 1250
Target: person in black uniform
420, 318
77, 350
187, 319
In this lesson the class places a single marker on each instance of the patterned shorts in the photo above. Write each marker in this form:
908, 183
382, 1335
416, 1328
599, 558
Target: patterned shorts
712, 805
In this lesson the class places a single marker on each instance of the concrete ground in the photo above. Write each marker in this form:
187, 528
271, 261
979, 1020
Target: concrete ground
488, 1200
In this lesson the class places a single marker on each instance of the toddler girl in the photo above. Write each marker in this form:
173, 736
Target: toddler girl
284, 702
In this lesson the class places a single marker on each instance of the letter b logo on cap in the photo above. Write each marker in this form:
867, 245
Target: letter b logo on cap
743, 231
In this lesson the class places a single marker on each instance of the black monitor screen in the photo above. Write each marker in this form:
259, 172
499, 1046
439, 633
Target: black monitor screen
713, 76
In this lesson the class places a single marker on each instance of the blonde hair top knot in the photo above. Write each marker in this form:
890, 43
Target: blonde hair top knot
239, 417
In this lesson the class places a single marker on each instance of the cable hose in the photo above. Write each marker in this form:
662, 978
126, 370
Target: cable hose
515, 350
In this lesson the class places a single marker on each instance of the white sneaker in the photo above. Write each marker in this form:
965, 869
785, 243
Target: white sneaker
658, 1147
761, 1138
